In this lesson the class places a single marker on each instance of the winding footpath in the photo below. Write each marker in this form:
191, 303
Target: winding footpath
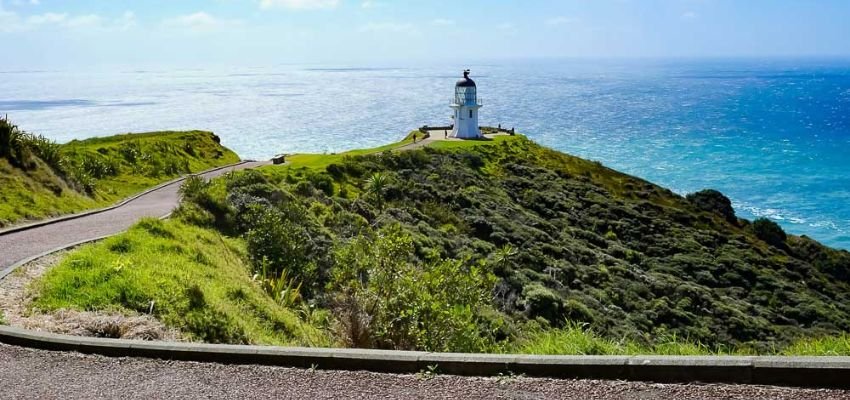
21, 245
30, 373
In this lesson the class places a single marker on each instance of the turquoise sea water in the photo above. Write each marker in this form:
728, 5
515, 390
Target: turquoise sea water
773, 135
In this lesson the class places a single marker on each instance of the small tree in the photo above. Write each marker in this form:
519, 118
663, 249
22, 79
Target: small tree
376, 187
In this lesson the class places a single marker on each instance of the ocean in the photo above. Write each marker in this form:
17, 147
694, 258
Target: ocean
773, 135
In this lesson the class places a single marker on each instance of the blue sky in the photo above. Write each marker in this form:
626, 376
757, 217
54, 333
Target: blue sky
64, 33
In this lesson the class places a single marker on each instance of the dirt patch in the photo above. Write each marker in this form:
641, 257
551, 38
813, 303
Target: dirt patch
16, 296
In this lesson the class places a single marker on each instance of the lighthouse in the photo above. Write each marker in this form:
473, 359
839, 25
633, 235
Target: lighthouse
465, 105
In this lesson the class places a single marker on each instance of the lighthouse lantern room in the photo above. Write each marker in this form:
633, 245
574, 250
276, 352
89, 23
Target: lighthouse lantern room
465, 105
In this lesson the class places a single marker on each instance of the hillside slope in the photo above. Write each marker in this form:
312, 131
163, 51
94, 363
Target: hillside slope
95, 172
482, 247
572, 240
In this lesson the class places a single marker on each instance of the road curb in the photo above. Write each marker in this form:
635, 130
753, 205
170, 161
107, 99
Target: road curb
38, 224
823, 372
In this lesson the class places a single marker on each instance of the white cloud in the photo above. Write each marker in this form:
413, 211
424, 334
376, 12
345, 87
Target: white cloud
443, 22
388, 27
689, 15
560, 20
200, 22
85, 21
299, 4
127, 21
9, 21
48, 18
371, 4
13, 22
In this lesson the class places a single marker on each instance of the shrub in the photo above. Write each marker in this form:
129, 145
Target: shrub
324, 183
770, 232
276, 244
194, 189
12, 144
47, 150
336, 171
385, 299
713, 201
541, 301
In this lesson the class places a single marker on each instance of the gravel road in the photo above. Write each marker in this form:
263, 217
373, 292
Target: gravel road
37, 374
17, 246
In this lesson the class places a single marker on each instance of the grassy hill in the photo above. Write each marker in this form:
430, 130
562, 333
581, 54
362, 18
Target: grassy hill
40, 179
502, 245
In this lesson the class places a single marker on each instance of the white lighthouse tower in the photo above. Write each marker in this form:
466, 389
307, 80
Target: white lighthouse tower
465, 105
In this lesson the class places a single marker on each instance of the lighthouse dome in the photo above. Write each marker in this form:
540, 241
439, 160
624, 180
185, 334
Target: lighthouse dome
465, 82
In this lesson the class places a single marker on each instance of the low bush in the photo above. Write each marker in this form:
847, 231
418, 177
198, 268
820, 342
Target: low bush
770, 232
713, 201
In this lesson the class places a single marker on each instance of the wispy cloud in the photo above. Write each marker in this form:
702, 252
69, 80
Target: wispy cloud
299, 4
13, 22
443, 22
47, 18
560, 20
388, 27
371, 4
85, 21
201, 22
689, 15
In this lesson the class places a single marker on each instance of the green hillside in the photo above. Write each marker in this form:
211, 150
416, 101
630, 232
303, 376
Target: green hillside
40, 179
505, 246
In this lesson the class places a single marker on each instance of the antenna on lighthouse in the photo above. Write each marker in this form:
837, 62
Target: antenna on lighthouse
465, 106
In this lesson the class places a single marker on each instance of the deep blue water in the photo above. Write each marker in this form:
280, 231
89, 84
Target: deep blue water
773, 135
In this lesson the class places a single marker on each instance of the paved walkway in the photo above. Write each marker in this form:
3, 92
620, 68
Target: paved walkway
38, 374
17, 246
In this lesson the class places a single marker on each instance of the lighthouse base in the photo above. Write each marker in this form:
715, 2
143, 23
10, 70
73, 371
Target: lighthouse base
466, 131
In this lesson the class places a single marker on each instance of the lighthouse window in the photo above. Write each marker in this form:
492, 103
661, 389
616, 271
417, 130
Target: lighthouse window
470, 113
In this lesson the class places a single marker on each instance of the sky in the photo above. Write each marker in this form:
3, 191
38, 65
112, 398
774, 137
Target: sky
57, 34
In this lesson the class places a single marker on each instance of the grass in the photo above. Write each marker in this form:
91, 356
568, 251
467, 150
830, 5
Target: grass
465, 144
195, 279
321, 161
576, 340
200, 283
824, 346
38, 193
100, 171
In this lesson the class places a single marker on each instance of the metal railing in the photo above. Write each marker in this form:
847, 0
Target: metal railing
466, 101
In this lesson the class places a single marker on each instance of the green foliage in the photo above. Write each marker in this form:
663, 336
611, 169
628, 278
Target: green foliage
41, 178
572, 240
713, 201
386, 300
277, 244
517, 248
195, 278
13, 144
769, 231
285, 290
838, 345
376, 187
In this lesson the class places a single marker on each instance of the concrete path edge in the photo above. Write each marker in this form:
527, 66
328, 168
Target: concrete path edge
822, 372
19, 228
